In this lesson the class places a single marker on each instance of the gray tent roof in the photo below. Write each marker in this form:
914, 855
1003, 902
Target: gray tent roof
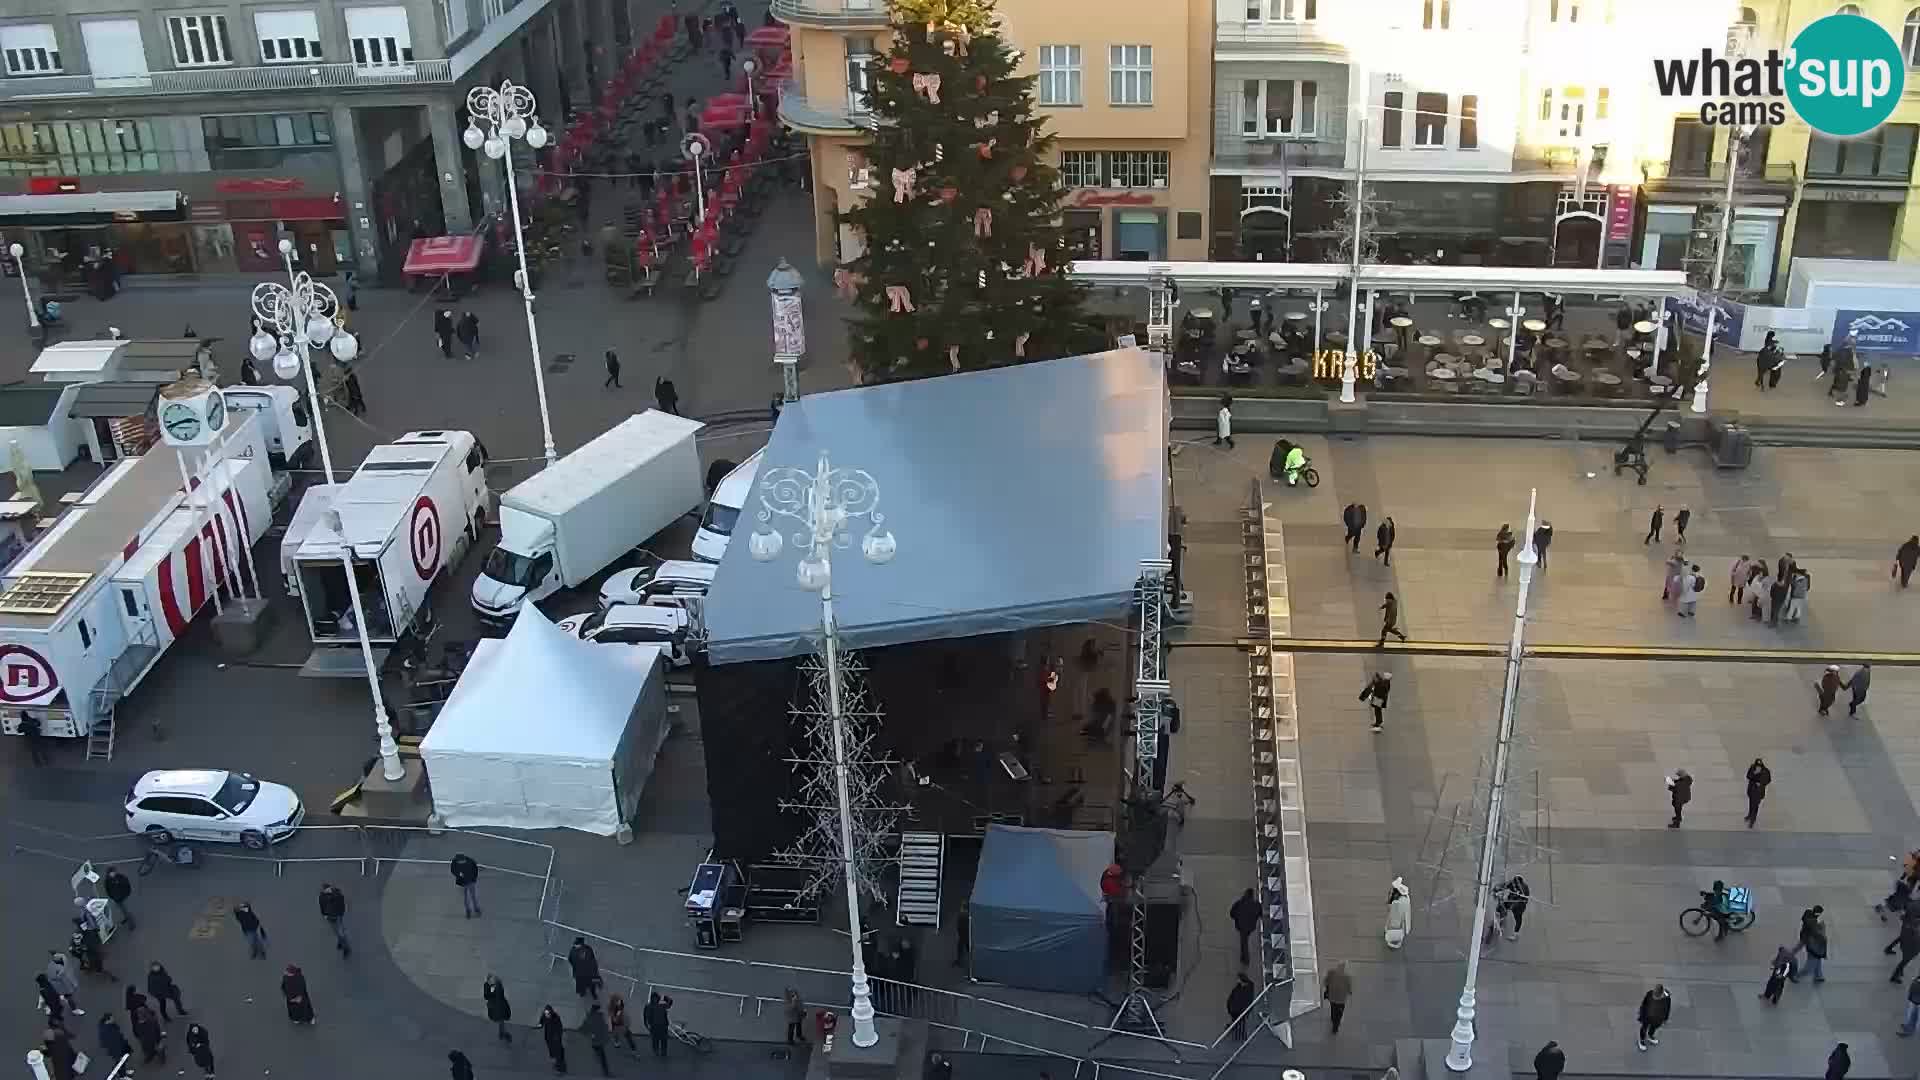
1056, 871
1021, 497
29, 406
113, 400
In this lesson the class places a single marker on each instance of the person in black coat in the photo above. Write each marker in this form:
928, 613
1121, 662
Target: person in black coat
1354, 517
443, 331
466, 874
1245, 914
57, 1048
586, 969
458, 1067
119, 890
666, 396
1390, 620
333, 908
655, 1017
1549, 1062
1905, 559
164, 990
1654, 525
499, 1010
468, 331
200, 1047
1383, 541
554, 1032
1758, 777
150, 1035
1656, 1008
1542, 540
1680, 521
1839, 1062
1680, 793
1502, 546
1239, 1000
1378, 689
112, 1039
293, 987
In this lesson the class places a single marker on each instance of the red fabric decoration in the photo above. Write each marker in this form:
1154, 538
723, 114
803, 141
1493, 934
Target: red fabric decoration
980, 83
899, 65
948, 194
986, 149
920, 343
1018, 172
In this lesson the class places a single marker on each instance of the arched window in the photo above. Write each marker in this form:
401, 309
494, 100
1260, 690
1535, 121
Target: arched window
1910, 38
1847, 9
1748, 17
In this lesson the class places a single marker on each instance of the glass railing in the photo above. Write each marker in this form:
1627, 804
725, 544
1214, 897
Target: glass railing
228, 80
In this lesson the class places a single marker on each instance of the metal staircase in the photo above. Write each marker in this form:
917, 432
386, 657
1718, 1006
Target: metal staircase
917, 896
133, 661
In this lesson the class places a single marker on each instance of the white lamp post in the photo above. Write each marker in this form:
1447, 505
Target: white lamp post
1350, 363
20, 260
1735, 136
789, 326
822, 502
293, 321
509, 114
750, 67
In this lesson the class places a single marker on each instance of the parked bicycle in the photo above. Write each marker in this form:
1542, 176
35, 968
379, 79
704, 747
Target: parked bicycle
698, 1042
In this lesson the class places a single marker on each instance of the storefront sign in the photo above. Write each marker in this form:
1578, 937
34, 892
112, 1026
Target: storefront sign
1098, 197
1810, 193
1692, 309
1620, 213
1893, 332
259, 185
1332, 364
52, 185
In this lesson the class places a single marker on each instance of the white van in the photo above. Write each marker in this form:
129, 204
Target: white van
735, 490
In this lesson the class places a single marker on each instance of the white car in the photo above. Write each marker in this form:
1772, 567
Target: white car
212, 805
640, 584
636, 624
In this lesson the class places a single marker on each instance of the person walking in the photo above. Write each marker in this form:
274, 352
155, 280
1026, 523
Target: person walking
1518, 895
443, 332
1542, 539
1862, 387
1336, 989
1549, 1062
1680, 793
36, 742
356, 399
52, 1001
200, 1048
654, 1016
1797, 588
1399, 913
458, 1067
1354, 517
499, 1009
1245, 916
1239, 1000
963, 935
135, 1001
1857, 688
1680, 522
1502, 546
1777, 593
586, 969
726, 63
1670, 581
613, 371
665, 396
1908, 941
150, 1035
554, 1033
796, 1013
1656, 1008
1223, 423
1378, 689
119, 890
594, 1027
618, 1021
163, 989
56, 1049
333, 908
1777, 974
469, 333
112, 1040
1737, 578
1758, 777
293, 989
1654, 524
62, 979
1913, 1008
1839, 1062
1906, 558
86, 945
1383, 540
352, 282
1828, 687
1813, 939
466, 874
1689, 596
1389, 621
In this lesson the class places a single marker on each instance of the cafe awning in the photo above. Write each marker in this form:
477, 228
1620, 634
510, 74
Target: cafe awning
443, 255
88, 202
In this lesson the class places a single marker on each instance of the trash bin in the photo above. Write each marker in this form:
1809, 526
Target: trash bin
1670, 438
1735, 450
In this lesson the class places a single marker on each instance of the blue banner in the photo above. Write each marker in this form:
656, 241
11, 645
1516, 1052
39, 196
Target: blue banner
1692, 309
1892, 332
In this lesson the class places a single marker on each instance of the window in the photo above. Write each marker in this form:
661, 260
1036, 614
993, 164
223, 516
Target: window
114, 49
1884, 154
1692, 150
379, 37
1079, 168
1059, 74
1847, 9
1430, 119
861, 56
1573, 112
99, 147
1114, 168
1278, 108
1390, 118
1130, 75
267, 140
1283, 10
199, 40
1470, 121
1563, 11
30, 49
86, 635
1436, 14
1909, 40
287, 37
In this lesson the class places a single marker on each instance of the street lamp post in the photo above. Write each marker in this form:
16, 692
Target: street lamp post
20, 261
1513, 330
822, 502
1350, 365
1734, 138
789, 327
750, 67
295, 319
509, 114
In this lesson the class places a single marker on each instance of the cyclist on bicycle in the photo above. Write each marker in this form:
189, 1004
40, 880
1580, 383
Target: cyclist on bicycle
1718, 907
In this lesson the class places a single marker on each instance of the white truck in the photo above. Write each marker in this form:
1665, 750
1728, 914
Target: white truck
570, 521
283, 422
409, 512
95, 601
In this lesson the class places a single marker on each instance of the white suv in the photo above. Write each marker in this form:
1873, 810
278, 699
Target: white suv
213, 805
636, 624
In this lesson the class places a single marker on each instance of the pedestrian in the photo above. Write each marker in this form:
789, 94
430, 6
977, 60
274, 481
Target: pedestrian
52, 1001
940, 1067
443, 331
655, 1017
1335, 990
1245, 916
1383, 540
613, 371
1797, 588
594, 1027
249, 373
356, 400
499, 1009
1680, 521
469, 333
618, 1021
1758, 777
1518, 895
36, 742
1239, 1000
163, 989
1676, 568
466, 874
150, 1035
333, 908
200, 1048
1502, 545
1737, 578
1690, 585
56, 1047
586, 969
1654, 525
1680, 792
554, 1032
1542, 539
1378, 689
963, 936
1861, 387
293, 987
85, 944
135, 1001
1548, 1063
1828, 687
1655, 1009
1906, 558
1839, 1062
112, 1039
119, 890
458, 1067
1223, 422
1908, 941
726, 62
1857, 688
1354, 517
692, 24
352, 282
1913, 1007
63, 981
1777, 974
1777, 594
1898, 899
1813, 939
665, 396
1389, 621
1399, 913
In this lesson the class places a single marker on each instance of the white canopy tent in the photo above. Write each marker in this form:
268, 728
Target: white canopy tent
545, 731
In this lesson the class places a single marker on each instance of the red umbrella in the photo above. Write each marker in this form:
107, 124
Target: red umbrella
730, 99
768, 37
723, 116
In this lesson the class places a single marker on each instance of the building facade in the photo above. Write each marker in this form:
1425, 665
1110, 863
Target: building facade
191, 137
1125, 88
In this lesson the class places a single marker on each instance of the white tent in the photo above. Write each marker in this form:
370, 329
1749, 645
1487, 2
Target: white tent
546, 731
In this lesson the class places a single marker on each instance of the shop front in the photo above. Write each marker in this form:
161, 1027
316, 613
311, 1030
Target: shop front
1444, 223
1839, 221
1108, 224
74, 236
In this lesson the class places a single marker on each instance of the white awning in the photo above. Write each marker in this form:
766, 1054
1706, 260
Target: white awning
88, 202
1525, 279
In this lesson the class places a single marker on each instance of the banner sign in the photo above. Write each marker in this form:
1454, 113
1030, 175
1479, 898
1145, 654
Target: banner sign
1691, 310
1894, 332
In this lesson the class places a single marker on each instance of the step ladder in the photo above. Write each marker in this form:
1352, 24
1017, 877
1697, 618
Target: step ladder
100, 739
922, 859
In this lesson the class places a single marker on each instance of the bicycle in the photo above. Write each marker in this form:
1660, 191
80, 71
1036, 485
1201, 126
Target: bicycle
1696, 921
689, 1037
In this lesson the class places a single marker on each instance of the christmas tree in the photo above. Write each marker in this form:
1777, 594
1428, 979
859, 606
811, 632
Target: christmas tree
963, 254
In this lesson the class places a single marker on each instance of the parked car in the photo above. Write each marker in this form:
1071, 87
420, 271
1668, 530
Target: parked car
212, 805
636, 624
639, 584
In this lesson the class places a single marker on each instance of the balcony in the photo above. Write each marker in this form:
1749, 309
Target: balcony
1274, 39
1557, 158
229, 80
833, 14
1700, 174
1277, 157
820, 116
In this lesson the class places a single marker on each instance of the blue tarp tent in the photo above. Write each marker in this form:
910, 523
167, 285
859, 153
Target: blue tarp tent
1036, 916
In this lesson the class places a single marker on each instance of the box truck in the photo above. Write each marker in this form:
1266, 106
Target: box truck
408, 513
570, 521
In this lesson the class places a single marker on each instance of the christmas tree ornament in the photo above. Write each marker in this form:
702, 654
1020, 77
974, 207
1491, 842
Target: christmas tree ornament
980, 83
939, 152
928, 85
903, 181
949, 193
899, 299
988, 120
1036, 261
1020, 345
919, 343
899, 65
950, 47
983, 222
847, 283
953, 358
986, 149
1018, 173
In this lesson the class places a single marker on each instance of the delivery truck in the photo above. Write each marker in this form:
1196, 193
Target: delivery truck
92, 605
409, 512
283, 422
570, 521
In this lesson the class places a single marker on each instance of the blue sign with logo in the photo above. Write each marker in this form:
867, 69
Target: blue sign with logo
1692, 309
1890, 332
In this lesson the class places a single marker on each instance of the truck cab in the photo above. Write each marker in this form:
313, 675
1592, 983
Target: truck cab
283, 421
730, 497
521, 569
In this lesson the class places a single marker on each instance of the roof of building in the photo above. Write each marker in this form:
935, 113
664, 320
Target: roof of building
112, 400
28, 405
